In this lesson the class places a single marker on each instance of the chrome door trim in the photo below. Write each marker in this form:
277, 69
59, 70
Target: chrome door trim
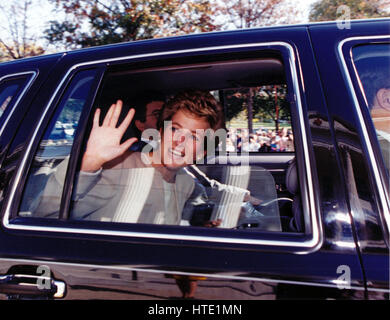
26, 87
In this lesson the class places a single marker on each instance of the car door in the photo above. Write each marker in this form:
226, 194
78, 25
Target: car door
374, 231
358, 63
308, 250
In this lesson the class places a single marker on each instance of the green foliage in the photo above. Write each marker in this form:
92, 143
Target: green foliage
256, 13
90, 23
263, 103
327, 10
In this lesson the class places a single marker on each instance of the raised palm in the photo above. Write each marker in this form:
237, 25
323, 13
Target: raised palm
104, 141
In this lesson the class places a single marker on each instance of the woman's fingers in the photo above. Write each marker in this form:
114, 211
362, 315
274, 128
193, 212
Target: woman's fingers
96, 118
115, 114
126, 122
127, 144
107, 118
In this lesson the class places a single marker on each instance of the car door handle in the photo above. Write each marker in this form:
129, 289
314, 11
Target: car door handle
31, 285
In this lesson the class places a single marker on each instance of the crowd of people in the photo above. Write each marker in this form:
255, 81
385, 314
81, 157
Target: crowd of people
261, 140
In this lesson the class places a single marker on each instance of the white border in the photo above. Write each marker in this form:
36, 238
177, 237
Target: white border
314, 243
26, 87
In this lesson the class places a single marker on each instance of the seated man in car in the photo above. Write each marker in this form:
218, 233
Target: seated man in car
380, 114
147, 110
376, 83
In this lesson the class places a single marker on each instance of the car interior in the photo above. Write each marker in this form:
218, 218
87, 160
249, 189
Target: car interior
271, 176
268, 170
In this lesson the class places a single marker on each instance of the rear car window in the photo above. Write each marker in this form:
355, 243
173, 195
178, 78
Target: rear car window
54, 147
11, 87
370, 68
372, 62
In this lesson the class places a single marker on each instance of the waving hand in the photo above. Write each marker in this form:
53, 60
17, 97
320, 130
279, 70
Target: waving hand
104, 141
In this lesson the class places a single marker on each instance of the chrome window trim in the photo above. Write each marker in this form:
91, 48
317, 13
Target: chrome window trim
26, 87
384, 199
309, 245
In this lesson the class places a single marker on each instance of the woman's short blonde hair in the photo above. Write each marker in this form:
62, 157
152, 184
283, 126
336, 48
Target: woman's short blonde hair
200, 104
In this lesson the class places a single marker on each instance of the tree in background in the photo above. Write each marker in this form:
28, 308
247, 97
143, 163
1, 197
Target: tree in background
248, 14
96, 22
255, 13
85, 23
329, 10
266, 103
19, 42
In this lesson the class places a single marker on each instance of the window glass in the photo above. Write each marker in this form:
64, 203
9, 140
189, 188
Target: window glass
372, 63
187, 167
9, 90
42, 196
258, 119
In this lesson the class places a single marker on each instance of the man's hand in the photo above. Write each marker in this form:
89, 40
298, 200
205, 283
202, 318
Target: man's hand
254, 201
104, 141
213, 223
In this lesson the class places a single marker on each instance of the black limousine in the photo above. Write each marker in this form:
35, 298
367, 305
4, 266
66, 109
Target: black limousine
292, 202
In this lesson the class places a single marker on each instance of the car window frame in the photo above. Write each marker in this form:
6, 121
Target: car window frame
35, 137
295, 242
20, 94
370, 142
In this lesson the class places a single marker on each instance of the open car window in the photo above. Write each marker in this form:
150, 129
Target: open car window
247, 180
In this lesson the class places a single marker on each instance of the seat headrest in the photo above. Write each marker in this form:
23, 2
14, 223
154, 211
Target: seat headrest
292, 177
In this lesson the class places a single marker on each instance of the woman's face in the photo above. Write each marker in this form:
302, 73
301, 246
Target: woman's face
182, 141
